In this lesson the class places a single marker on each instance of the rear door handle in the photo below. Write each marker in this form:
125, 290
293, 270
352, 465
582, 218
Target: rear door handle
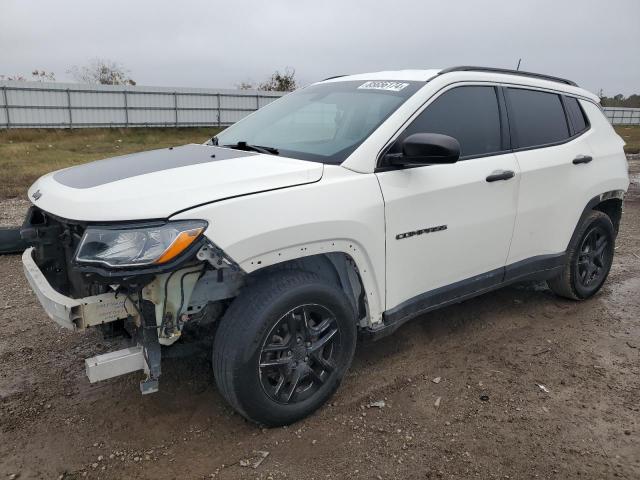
501, 175
582, 159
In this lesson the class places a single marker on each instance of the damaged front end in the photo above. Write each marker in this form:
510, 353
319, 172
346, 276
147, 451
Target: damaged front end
147, 281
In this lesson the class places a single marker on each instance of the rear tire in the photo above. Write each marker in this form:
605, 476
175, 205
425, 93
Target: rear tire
589, 258
283, 347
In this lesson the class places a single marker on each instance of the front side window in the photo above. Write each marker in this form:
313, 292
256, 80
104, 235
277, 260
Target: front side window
469, 114
324, 122
538, 117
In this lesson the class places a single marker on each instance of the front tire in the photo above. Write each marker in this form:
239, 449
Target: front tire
283, 347
589, 258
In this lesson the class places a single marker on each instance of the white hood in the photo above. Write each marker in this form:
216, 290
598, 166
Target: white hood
159, 183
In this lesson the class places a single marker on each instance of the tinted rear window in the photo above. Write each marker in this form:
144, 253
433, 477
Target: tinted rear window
576, 115
538, 117
469, 114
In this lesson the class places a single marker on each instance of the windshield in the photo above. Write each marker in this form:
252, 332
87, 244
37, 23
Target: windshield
322, 123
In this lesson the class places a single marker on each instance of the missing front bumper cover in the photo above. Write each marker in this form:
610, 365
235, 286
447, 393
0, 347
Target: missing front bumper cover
79, 313
73, 313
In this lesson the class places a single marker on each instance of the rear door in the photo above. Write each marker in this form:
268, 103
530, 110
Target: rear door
550, 133
448, 228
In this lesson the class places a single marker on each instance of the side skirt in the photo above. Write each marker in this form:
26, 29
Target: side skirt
542, 267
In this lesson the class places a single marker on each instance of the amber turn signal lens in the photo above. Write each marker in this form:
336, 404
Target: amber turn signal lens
179, 245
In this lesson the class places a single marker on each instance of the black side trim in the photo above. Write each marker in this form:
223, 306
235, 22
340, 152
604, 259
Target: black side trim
535, 268
521, 73
442, 296
541, 267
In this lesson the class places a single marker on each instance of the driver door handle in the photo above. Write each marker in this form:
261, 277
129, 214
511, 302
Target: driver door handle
501, 175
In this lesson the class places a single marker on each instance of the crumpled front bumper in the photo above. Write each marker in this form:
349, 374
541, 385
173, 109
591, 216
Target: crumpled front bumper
72, 313
79, 313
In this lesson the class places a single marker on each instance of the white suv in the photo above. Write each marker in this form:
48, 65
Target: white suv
344, 208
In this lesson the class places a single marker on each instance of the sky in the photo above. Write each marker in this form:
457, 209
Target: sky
219, 44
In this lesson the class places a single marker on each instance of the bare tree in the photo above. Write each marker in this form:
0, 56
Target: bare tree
36, 76
17, 77
280, 82
246, 85
43, 76
103, 72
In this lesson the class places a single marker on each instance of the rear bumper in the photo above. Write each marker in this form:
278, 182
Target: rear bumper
72, 313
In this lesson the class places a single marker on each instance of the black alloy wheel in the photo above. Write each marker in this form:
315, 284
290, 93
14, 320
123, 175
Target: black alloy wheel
588, 258
284, 345
299, 353
594, 258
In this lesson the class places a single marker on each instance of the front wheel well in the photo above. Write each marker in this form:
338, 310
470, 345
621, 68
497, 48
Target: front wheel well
338, 268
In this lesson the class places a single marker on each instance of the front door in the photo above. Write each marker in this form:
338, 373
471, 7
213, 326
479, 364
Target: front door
449, 227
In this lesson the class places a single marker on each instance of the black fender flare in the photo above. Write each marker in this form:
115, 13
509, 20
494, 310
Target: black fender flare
610, 195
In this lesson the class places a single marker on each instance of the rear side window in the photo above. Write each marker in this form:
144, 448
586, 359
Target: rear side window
469, 114
538, 117
576, 115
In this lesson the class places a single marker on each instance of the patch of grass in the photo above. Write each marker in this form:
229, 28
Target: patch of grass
631, 135
27, 154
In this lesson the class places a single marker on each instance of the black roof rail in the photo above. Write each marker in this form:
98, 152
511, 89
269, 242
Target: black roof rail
331, 78
508, 72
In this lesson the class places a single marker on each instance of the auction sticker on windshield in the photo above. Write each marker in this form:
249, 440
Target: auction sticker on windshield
383, 85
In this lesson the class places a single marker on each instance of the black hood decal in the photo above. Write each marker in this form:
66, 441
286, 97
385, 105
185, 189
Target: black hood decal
125, 166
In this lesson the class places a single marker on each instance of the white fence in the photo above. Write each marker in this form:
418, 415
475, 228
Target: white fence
71, 105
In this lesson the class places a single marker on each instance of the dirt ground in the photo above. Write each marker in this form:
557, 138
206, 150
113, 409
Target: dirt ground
530, 386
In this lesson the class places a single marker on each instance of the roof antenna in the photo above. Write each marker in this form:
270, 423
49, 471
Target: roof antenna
518, 67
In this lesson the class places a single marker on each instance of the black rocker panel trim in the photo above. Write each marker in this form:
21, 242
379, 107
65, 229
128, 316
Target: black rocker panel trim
535, 268
541, 267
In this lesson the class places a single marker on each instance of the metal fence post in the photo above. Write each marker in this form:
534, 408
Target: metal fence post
219, 111
257, 101
69, 108
126, 109
175, 105
6, 105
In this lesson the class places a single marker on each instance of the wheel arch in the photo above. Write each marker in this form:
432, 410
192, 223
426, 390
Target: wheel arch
609, 203
342, 267
612, 207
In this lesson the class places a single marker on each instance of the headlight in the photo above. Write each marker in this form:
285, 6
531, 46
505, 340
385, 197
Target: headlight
137, 246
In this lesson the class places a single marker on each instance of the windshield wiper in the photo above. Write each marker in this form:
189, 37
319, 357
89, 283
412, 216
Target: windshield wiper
253, 148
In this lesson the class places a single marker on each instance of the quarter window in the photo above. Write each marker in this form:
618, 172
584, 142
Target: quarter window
538, 117
469, 114
576, 115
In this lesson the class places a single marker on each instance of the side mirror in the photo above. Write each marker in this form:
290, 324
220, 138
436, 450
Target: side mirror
427, 149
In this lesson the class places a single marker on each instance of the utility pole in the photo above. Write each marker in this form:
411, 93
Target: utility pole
518, 67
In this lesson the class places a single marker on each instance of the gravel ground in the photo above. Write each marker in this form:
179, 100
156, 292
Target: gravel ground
514, 384
12, 211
